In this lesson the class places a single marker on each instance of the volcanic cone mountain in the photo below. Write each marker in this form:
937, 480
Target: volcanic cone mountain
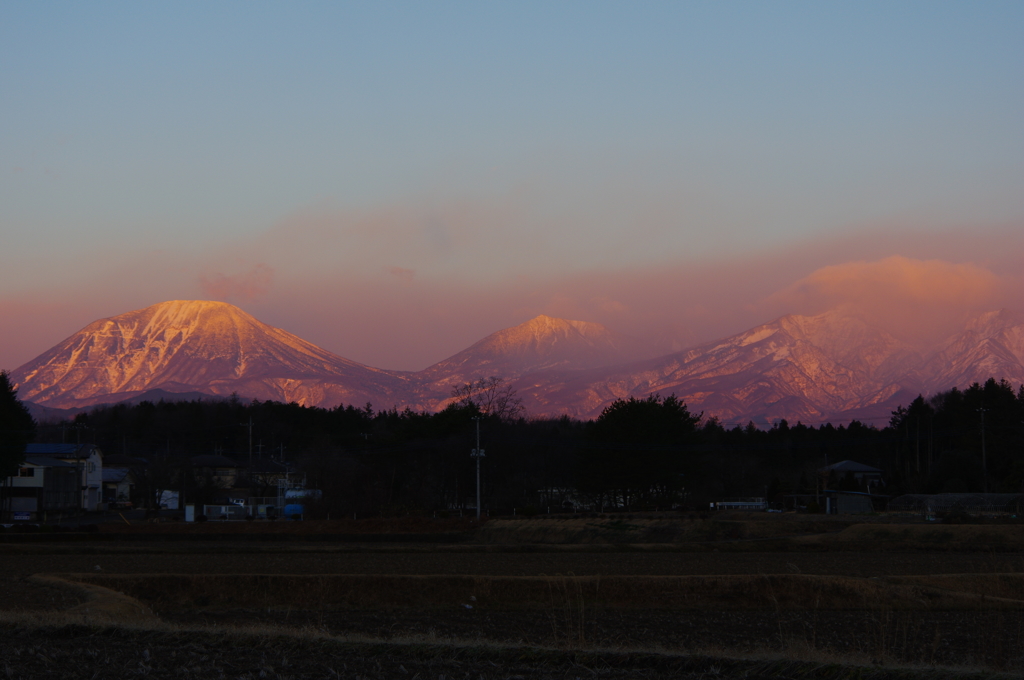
811, 368
211, 347
542, 343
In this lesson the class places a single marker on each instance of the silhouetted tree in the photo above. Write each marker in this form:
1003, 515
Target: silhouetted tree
17, 428
492, 396
636, 450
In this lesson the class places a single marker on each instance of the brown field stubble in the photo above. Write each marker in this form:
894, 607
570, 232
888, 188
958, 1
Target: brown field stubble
870, 596
732, 592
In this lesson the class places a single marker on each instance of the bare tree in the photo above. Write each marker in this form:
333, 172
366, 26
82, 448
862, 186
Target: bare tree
493, 396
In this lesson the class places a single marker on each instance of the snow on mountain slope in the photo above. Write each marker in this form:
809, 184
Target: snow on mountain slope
991, 346
795, 367
809, 368
184, 345
541, 343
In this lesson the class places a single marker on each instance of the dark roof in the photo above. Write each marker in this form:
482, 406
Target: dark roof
214, 462
851, 466
62, 450
120, 460
114, 474
46, 461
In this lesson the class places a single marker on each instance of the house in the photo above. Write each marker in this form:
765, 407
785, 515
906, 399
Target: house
42, 486
118, 486
219, 479
87, 458
221, 470
864, 474
121, 476
267, 476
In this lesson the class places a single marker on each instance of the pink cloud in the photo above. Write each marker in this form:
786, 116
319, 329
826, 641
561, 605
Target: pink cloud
331, 276
406, 275
250, 285
910, 281
920, 300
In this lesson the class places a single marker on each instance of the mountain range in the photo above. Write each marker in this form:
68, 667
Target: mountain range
831, 366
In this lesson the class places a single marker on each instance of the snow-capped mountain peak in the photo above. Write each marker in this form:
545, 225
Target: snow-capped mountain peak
185, 344
542, 343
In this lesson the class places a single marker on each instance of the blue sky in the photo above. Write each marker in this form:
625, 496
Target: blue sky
350, 148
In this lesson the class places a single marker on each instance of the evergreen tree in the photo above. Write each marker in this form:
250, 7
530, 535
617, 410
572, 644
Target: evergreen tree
636, 452
17, 428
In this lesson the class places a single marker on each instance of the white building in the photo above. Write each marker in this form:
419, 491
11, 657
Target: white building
42, 485
87, 458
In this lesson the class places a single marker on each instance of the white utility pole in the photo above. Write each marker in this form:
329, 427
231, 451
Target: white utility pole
477, 453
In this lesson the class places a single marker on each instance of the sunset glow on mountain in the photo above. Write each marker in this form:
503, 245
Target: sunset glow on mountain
833, 193
810, 369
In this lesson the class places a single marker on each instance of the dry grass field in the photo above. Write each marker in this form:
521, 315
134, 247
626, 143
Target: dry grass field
791, 596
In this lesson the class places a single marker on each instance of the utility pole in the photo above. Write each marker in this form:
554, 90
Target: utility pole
477, 453
984, 462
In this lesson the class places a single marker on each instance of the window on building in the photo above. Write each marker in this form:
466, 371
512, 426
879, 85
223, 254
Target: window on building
27, 472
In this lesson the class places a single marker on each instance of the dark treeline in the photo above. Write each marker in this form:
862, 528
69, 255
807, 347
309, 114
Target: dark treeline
641, 453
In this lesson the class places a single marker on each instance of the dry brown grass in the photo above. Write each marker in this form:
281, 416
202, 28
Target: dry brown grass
626, 529
34, 645
370, 525
1007, 586
927, 537
544, 593
100, 604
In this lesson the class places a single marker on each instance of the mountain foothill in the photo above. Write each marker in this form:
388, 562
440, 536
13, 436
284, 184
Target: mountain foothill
832, 366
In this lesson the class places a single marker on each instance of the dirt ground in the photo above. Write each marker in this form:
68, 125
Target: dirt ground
19, 562
92, 653
464, 641
980, 639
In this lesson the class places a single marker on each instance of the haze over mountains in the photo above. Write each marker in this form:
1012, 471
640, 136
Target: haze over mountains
811, 368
